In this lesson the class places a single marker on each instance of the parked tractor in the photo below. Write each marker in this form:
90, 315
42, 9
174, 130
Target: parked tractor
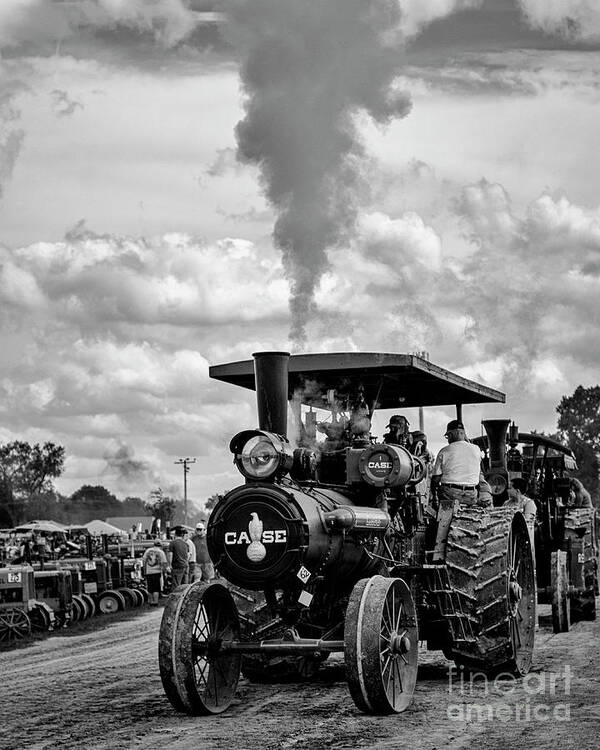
566, 544
20, 612
329, 544
53, 587
94, 586
83, 605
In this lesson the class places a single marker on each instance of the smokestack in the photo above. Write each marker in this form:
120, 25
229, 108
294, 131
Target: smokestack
496, 432
271, 375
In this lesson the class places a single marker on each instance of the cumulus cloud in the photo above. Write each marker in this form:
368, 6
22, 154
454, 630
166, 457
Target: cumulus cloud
416, 14
102, 281
532, 282
510, 73
105, 334
38, 22
115, 334
572, 19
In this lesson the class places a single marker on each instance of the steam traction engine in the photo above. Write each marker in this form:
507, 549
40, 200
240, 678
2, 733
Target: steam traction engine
566, 547
326, 546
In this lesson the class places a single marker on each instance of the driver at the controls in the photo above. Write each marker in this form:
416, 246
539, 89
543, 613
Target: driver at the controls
456, 478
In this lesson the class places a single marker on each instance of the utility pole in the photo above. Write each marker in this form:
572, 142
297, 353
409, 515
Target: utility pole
184, 462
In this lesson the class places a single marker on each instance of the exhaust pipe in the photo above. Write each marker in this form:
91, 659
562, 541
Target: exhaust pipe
271, 376
496, 430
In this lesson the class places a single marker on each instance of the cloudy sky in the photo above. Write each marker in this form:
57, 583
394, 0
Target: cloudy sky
184, 182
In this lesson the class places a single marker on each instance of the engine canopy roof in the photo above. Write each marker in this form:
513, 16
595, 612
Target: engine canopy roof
388, 380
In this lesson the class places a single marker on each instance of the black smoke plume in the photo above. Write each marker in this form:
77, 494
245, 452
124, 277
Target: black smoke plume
308, 69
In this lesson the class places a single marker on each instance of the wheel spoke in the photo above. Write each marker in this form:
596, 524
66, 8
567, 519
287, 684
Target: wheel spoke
215, 628
517, 633
399, 615
399, 673
388, 681
201, 628
386, 626
214, 674
387, 663
217, 664
513, 554
201, 669
387, 619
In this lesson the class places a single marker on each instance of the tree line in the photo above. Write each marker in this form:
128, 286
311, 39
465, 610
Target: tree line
27, 472
27, 492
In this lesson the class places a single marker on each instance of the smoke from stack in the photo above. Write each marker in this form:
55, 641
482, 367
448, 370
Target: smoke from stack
11, 136
125, 469
308, 70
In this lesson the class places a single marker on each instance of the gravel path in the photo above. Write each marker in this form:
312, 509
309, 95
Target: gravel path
101, 690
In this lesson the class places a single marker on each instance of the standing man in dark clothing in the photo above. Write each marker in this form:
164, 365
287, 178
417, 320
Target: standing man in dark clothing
178, 556
205, 570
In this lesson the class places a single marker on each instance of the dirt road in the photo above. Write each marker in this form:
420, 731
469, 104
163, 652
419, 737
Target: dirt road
101, 691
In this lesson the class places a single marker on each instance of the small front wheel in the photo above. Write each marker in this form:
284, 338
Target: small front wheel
15, 625
110, 601
381, 645
197, 675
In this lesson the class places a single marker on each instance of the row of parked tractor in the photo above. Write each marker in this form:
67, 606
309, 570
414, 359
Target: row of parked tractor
45, 597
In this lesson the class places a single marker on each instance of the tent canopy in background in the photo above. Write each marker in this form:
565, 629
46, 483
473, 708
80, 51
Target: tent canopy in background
47, 526
98, 527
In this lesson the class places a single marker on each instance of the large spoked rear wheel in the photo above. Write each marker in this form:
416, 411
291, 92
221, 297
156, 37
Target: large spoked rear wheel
521, 597
381, 645
559, 582
491, 620
197, 676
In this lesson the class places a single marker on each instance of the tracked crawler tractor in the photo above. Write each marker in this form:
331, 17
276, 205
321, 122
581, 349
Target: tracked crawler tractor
327, 545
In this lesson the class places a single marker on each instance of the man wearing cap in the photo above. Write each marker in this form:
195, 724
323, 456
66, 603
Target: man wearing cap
204, 569
398, 432
456, 477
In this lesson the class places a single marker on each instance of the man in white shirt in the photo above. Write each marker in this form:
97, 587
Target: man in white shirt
455, 477
191, 557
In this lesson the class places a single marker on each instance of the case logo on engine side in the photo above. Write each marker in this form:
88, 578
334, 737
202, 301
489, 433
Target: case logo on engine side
256, 538
380, 465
